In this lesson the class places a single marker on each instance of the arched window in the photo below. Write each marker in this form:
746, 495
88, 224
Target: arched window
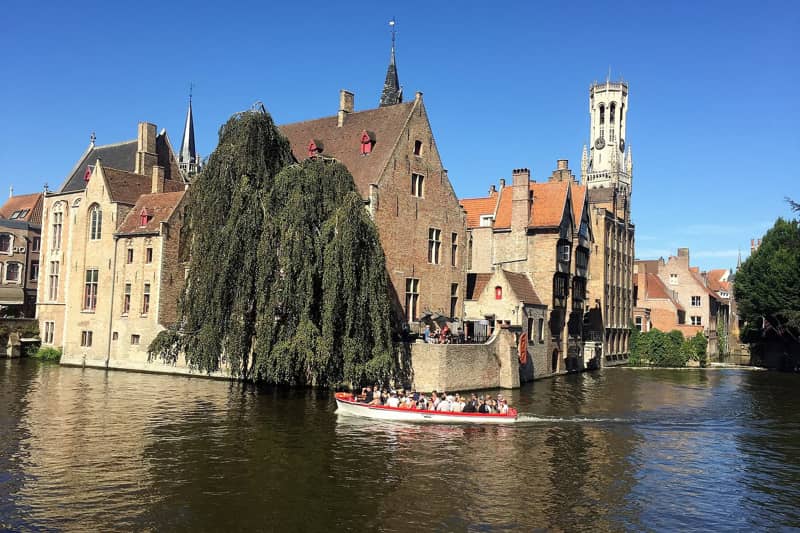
611, 112
95, 222
76, 203
602, 114
57, 223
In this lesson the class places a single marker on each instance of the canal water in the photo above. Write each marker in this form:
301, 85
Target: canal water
619, 449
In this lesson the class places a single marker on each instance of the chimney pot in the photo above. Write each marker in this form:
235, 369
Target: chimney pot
492, 189
502, 182
157, 184
346, 105
563, 164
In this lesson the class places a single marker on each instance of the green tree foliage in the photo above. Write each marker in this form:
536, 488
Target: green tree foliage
656, 348
767, 285
287, 279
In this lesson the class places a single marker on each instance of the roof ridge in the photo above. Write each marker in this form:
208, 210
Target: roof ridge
349, 114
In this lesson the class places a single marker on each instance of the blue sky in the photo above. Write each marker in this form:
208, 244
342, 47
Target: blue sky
713, 114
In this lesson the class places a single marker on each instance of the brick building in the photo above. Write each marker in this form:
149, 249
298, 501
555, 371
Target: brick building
607, 170
541, 230
392, 154
110, 276
20, 244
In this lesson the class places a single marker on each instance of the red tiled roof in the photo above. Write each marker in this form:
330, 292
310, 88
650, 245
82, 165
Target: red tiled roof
695, 272
384, 125
476, 282
547, 209
715, 282
522, 287
158, 206
578, 200
126, 187
30, 202
657, 290
475, 207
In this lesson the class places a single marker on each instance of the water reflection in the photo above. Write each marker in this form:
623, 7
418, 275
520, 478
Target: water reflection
620, 449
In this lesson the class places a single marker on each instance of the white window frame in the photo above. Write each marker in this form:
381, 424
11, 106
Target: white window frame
696, 301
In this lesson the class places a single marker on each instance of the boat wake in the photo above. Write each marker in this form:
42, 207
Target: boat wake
533, 419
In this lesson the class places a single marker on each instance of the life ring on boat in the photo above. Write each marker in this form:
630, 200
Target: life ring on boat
523, 348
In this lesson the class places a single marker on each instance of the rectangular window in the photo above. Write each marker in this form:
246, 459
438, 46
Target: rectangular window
148, 255
146, 299
114, 336
638, 320
541, 330
696, 321
454, 249
434, 245
90, 290
135, 339
412, 298
49, 332
582, 258
58, 219
564, 253
86, 338
36, 244
417, 185
96, 223
695, 301
453, 299
673, 279
12, 272
417, 147
126, 299
486, 220
130, 255
34, 274
53, 288
5, 243
559, 287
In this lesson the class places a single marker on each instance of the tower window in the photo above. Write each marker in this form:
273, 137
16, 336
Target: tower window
611, 112
602, 115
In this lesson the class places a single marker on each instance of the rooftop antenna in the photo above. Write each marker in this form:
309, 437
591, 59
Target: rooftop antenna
392, 25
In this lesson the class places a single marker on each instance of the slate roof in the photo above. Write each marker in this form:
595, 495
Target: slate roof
126, 187
384, 123
30, 202
159, 206
522, 287
120, 155
547, 209
476, 282
476, 207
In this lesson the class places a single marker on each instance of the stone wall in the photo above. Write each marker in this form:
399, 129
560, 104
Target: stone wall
462, 367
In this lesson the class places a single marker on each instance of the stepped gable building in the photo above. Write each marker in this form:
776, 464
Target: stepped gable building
110, 274
541, 230
392, 154
607, 171
20, 245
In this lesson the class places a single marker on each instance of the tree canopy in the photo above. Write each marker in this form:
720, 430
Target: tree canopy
287, 281
767, 285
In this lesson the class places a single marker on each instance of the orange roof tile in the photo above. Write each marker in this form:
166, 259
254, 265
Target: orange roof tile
522, 287
476, 207
383, 124
578, 201
695, 272
657, 290
27, 206
476, 282
158, 206
547, 209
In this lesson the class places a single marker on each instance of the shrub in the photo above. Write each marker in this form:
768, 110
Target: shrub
48, 353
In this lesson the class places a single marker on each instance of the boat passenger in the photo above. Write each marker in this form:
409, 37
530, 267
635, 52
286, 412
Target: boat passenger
422, 403
483, 407
368, 394
434, 401
472, 405
504, 407
393, 400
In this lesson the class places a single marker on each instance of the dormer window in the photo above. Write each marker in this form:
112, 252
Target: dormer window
144, 217
367, 142
314, 148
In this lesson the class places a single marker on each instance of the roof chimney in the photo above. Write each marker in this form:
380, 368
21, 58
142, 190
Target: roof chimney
157, 184
346, 105
502, 183
520, 176
562, 164
492, 190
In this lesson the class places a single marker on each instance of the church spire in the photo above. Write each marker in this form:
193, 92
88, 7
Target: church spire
392, 92
188, 160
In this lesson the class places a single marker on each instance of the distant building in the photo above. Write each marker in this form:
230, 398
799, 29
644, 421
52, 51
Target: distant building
393, 157
20, 245
110, 277
607, 170
540, 232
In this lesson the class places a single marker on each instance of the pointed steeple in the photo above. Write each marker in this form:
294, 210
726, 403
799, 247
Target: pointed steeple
392, 92
188, 160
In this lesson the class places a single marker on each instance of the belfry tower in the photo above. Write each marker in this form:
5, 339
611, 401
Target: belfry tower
606, 164
607, 171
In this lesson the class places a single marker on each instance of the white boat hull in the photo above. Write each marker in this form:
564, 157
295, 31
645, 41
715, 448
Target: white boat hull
352, 408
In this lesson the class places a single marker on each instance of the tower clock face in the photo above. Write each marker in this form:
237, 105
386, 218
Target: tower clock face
600, 143
622, 145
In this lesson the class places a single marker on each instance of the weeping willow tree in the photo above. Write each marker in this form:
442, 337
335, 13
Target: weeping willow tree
287, 280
